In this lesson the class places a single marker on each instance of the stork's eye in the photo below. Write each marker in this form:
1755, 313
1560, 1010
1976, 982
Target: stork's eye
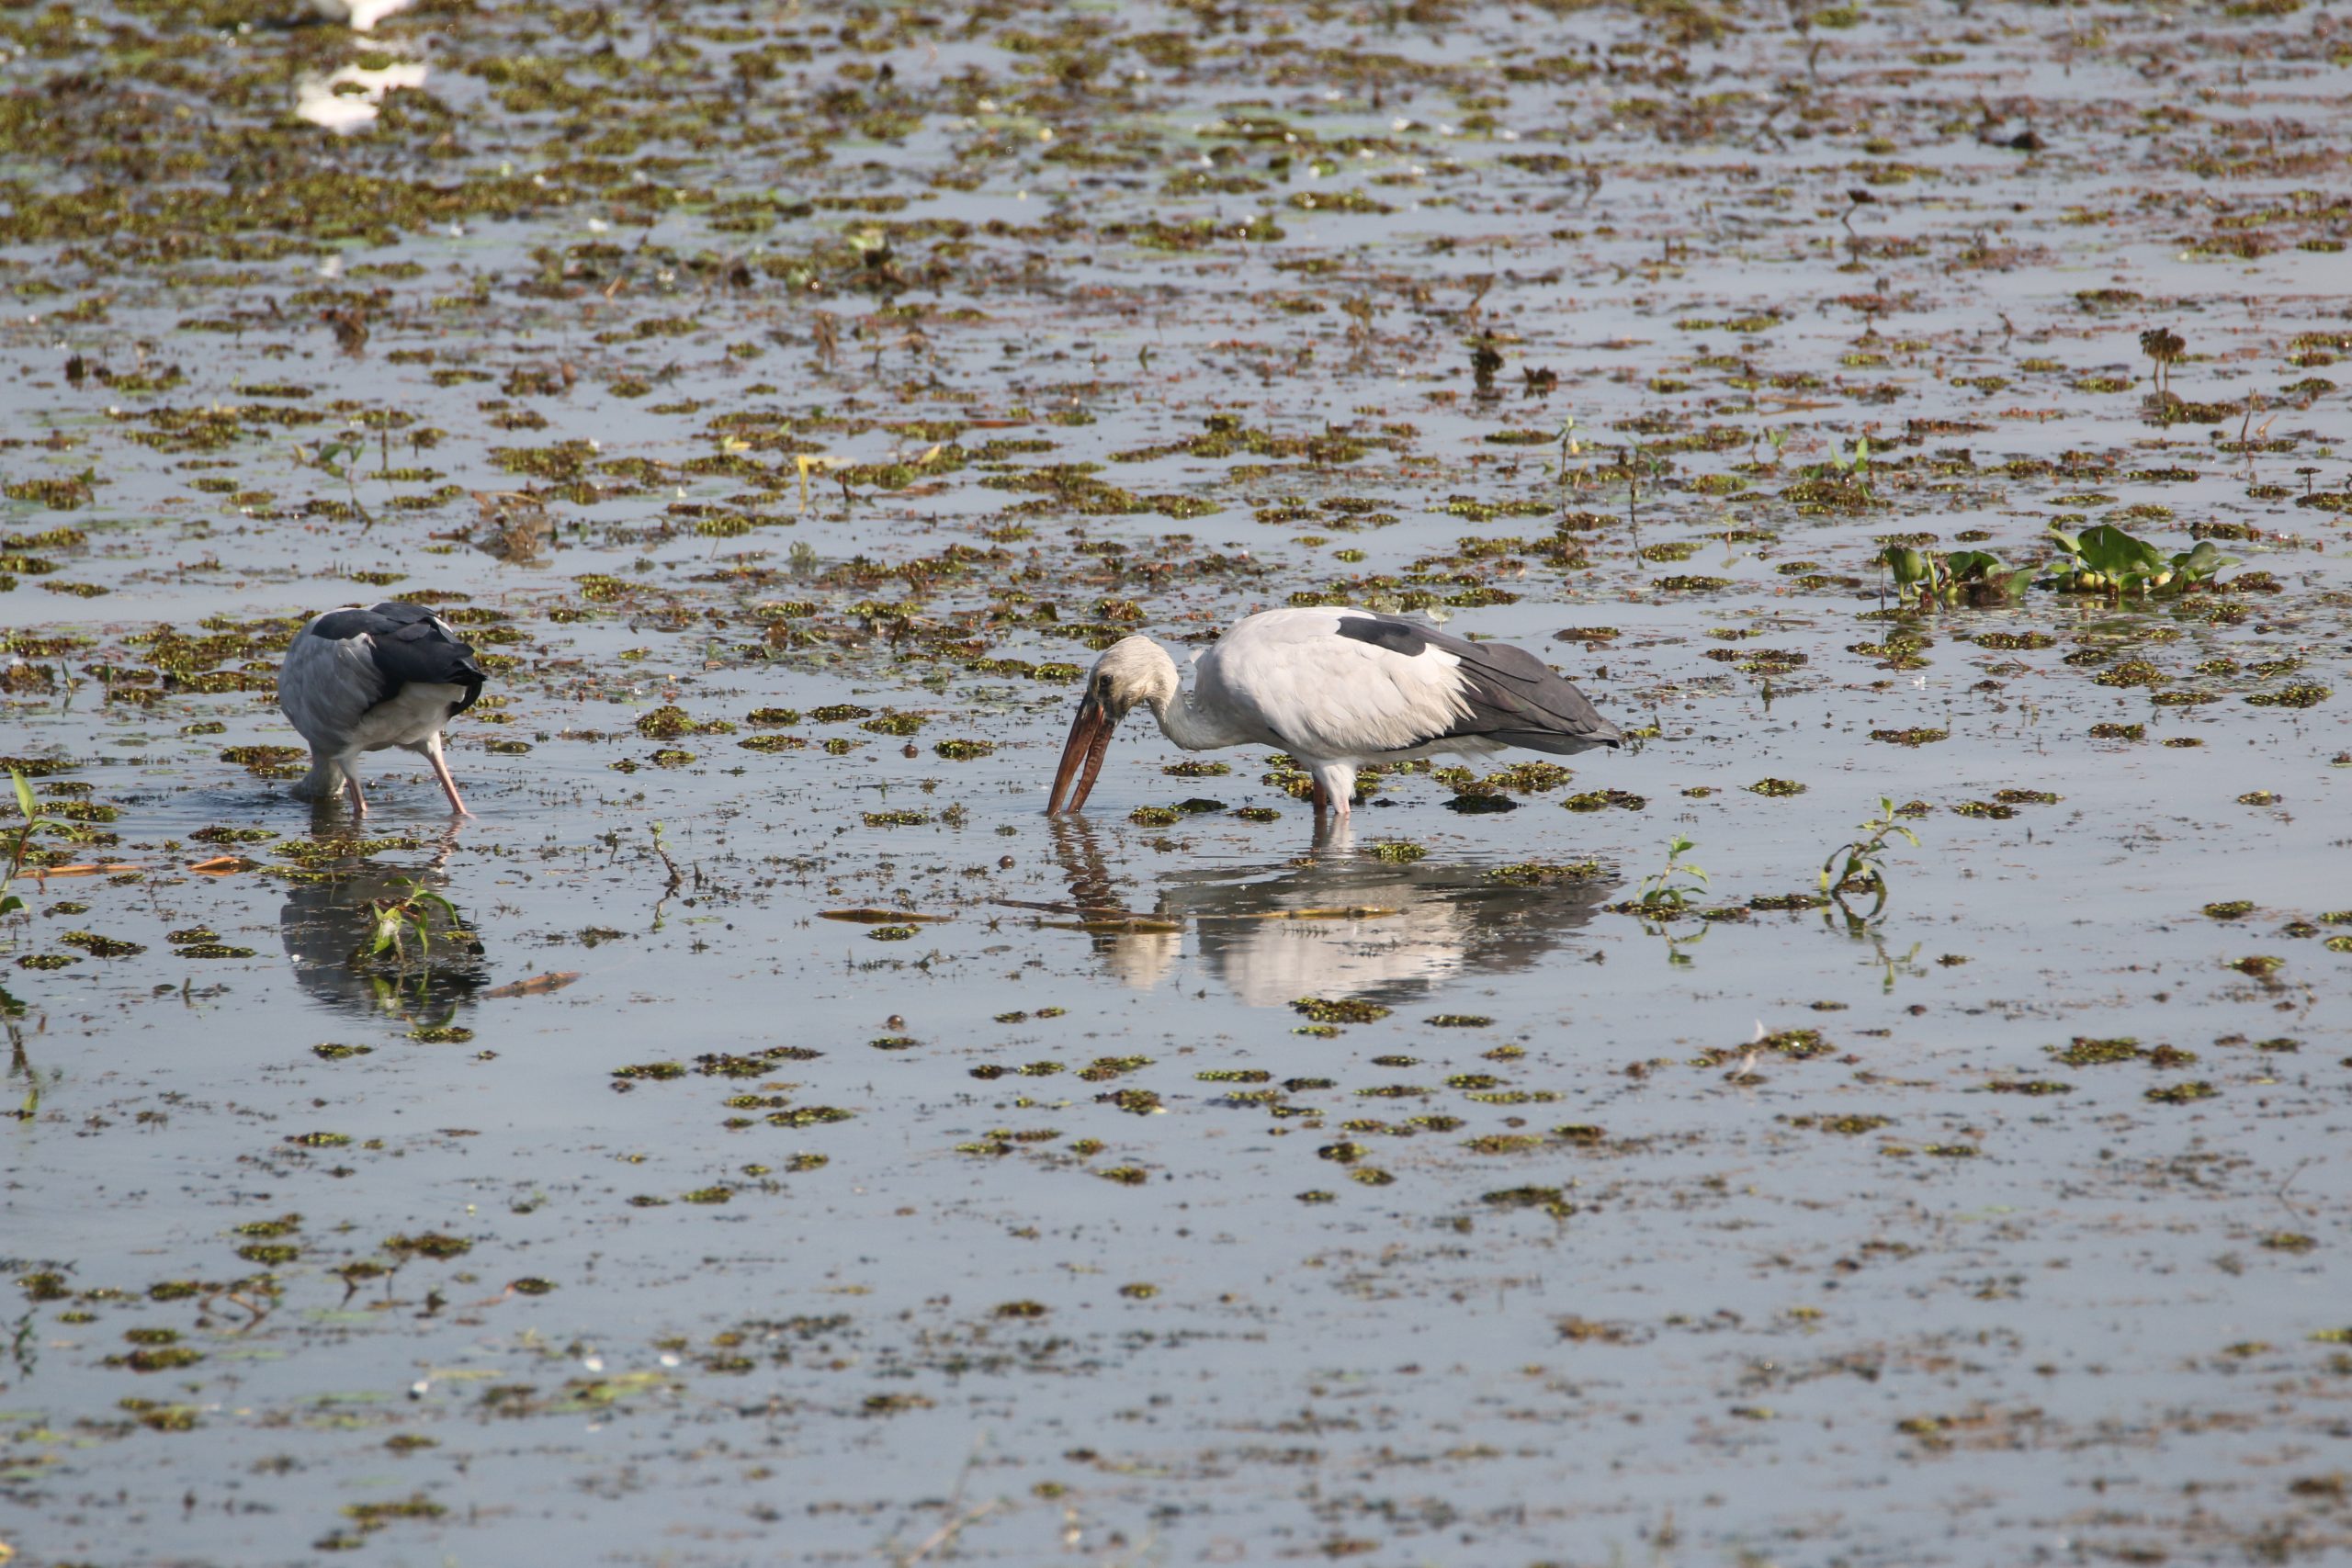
1102, 688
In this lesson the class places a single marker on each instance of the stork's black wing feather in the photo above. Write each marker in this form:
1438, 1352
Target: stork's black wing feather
1513, 698
409, 644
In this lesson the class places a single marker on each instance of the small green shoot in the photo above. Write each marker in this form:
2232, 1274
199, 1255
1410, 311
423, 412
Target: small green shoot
1661, 891
336, 458
1865, 866
340, 458
19, 836
1855, 464
393, 921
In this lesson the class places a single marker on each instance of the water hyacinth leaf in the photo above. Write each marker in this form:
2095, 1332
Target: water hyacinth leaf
2117, 554
2201, 562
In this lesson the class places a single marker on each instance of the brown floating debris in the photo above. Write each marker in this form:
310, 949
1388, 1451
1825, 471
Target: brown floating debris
538, 985
880, 917
1091, 911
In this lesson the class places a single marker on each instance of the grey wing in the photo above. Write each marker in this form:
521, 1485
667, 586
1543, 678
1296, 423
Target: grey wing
326, 683
1507, 694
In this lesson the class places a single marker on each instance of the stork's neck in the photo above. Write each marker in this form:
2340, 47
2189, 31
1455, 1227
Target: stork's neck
1182, 724
1181, 721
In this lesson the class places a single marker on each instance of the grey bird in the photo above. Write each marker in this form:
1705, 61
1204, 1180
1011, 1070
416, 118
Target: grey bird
359, 680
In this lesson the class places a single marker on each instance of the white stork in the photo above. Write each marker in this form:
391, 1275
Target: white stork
359, 16
1336, 689
363, 680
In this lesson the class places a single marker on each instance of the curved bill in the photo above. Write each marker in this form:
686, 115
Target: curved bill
1089, 737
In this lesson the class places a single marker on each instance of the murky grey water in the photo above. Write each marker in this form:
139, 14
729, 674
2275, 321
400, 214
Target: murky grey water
1181, 1186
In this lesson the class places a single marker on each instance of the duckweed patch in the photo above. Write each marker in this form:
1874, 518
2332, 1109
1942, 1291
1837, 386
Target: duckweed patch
98, 946
1602, 800
2303, 695
1325, 1009
2088, 1052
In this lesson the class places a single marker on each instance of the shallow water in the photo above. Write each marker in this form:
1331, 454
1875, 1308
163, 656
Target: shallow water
705, 371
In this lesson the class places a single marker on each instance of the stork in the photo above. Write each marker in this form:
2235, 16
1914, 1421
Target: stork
1336, 689
360, 680
359, 16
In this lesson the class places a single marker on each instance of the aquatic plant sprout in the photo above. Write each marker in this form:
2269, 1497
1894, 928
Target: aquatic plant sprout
1865, 859
395, 921
19, 837
1662, 890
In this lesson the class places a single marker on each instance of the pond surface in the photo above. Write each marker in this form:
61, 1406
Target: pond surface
782, 1142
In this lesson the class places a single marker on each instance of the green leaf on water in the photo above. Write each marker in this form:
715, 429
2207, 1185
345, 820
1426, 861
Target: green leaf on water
2118, 554
2202, 562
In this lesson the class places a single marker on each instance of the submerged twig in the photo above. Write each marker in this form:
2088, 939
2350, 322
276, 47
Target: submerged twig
677, 878
948, 1531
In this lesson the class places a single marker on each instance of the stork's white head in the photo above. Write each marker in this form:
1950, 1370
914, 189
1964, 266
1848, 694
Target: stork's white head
1133, 669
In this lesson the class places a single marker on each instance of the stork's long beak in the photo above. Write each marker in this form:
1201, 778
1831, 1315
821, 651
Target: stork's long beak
1089, 737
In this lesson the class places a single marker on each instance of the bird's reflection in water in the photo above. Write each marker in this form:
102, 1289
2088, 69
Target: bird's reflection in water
1336, 922
331, 924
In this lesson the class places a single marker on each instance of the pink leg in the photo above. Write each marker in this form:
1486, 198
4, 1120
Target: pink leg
1333, 796
441, 771
359, 801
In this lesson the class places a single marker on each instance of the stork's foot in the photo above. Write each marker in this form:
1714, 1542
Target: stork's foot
449, 785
